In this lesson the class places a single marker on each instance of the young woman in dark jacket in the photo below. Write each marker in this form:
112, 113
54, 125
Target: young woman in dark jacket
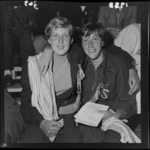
59, 32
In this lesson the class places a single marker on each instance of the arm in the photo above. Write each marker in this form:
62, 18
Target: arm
45, 59
126, 106
121, 53
134, 80
30, 114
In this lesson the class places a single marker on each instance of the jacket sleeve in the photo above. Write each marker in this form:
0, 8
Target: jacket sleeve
30, 114
126, 102
121, 53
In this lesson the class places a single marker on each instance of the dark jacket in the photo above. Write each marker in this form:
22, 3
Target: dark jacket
31, 114
26, 45
112, 75
121, 53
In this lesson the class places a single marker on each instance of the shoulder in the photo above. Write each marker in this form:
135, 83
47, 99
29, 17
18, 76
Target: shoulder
113, 49
76, 51
116, 61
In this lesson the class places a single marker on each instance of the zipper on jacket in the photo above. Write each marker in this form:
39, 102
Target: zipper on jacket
95, 79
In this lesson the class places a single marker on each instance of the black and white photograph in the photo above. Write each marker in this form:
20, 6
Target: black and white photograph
74, 74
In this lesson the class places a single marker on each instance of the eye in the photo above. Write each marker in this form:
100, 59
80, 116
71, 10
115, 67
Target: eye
85, 40
55, 35
95, 38
66, 36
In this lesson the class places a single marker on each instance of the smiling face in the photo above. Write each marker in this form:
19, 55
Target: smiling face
92, 46
60, 40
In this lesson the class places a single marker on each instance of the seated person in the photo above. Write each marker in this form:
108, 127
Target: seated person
39, 42
13, 121
117, 16
129, 40
65, 59
110, 72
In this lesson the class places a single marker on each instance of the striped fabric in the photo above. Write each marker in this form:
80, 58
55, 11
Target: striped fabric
119, 126
43, 96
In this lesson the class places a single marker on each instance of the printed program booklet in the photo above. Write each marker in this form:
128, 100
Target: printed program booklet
91, 114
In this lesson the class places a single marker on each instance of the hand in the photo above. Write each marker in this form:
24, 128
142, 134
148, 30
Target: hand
45, 59
107, 115
134, 81
50, 127
120, 114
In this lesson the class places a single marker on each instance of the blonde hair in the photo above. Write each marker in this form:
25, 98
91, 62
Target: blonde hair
58, 22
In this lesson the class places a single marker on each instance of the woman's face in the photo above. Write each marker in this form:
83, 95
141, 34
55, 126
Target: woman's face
60, 40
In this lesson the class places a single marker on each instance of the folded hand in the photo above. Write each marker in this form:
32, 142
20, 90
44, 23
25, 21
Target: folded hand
50, 127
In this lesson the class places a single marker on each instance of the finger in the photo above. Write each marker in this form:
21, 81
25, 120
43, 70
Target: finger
132, 90
55, 128
52, 132
130, 84
55, 124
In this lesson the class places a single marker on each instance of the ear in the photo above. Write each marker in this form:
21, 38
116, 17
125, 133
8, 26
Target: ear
71, 41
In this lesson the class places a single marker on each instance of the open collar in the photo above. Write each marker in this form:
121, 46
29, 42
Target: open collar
106, 64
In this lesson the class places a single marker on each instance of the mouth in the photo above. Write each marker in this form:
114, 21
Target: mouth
60, 47
91, 50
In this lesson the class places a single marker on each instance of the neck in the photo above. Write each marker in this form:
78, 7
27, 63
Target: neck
59, 59
98, 61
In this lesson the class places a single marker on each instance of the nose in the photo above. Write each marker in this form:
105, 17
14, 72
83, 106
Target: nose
61, 39
90, 44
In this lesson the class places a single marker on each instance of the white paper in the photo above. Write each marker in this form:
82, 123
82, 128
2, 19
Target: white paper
91, 114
